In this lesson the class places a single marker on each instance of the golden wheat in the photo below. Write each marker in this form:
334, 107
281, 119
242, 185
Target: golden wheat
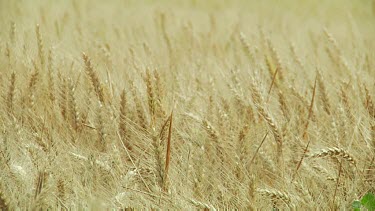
214, 105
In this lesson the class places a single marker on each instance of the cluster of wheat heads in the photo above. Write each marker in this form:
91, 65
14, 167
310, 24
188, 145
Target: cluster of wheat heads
201, 105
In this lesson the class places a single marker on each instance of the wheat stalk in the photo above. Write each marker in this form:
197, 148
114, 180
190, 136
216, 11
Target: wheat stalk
168, 153
304, 135
283, 105
39, 183
159, 171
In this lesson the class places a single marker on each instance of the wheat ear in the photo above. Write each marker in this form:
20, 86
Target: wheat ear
11, 92
93, 78
63, 97
323, 94
334, 152
122, 121
269, 120
51, 80
275, 195
150, 95
73, 109
32, 86
40, 45
247, 48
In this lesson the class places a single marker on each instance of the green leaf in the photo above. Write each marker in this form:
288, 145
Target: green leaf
356, 205
368, 201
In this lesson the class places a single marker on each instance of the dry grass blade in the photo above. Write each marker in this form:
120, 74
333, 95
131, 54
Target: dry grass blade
310, 111
168, 153
300, 161
40, 182
132, 161
123, 130
272, 83
256, 151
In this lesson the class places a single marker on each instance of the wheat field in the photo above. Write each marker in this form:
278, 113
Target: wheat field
186, 105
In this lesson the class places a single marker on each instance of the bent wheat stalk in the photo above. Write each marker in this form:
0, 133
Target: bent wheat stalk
334, 152
168, 154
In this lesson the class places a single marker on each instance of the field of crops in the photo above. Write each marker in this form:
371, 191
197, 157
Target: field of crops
187, 105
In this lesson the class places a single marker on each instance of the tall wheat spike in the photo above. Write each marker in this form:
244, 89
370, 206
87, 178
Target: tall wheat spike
40, 45
269, 120
51, 79
63, 98
73, 110
93, 78
150, 95
323, 94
